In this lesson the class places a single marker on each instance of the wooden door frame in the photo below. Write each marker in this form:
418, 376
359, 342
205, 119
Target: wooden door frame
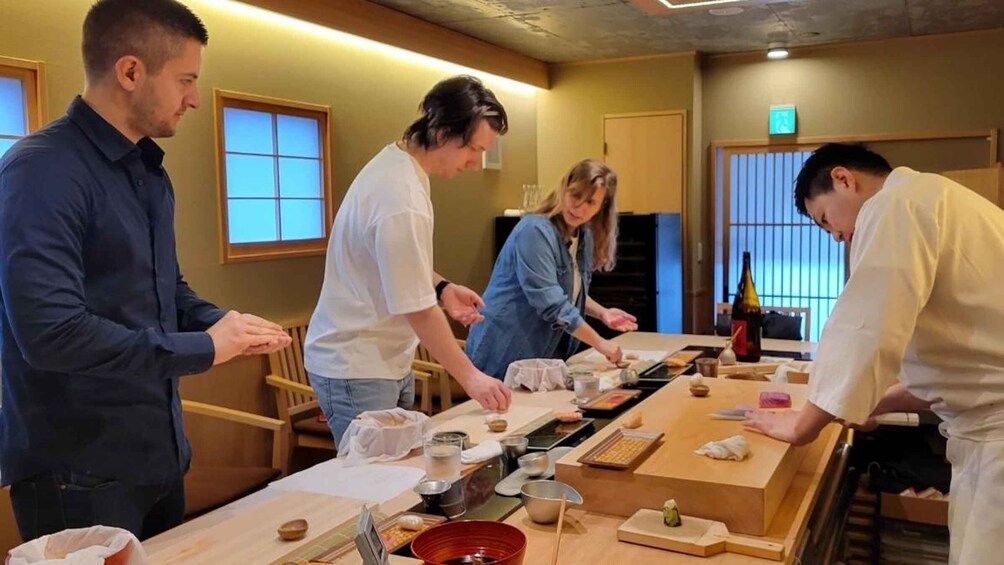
684, 237
706, 301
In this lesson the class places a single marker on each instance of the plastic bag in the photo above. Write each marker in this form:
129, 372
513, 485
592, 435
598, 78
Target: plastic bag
97, 545
382, 435
538, 375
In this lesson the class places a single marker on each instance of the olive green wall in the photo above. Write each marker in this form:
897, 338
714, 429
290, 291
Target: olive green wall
930, 84
373, 95
570, 114
923, 85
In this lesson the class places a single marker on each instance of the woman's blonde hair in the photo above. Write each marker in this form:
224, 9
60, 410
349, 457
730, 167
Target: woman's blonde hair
581, 182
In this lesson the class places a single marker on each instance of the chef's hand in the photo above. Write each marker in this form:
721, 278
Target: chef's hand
617, 319
489, 392
869, 425
778, 425
610, 350
462, 303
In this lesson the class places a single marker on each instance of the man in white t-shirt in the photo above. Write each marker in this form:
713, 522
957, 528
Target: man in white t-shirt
917, 326
380, 295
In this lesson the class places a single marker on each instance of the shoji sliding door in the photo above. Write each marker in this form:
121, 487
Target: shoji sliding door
795, 263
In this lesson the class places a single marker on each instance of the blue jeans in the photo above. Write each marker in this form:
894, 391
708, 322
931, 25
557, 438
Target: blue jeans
53, 502
342, 400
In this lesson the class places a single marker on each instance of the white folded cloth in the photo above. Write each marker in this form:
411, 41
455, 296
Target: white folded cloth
735, 448
81, 546
382, 435
781, 373
607, 383
482, 452
537, 375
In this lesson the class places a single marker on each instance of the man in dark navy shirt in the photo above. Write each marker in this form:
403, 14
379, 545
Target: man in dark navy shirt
98, 323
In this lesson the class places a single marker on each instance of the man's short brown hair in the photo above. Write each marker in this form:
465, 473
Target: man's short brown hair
151, 30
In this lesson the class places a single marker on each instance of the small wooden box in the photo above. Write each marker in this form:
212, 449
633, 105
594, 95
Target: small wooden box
742, 494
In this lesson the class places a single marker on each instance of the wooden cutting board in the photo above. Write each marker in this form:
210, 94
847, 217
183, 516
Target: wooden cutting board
473, 423
694, 536
251, 537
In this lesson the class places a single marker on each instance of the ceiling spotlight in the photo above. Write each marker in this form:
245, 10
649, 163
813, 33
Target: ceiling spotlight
777, 50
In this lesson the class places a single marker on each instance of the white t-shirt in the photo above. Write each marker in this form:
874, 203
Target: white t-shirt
378, 268
924, 303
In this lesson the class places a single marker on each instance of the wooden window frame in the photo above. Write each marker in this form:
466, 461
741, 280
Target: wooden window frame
32, 74
244, 252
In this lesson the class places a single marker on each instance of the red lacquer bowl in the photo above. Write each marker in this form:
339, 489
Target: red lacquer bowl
450, 543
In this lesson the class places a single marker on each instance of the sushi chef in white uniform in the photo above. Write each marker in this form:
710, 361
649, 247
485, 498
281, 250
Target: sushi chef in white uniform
919, 325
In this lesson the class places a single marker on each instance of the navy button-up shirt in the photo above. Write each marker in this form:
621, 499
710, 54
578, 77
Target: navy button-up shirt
97, 321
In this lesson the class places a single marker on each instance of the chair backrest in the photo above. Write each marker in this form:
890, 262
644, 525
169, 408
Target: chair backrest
804, 313
288, 364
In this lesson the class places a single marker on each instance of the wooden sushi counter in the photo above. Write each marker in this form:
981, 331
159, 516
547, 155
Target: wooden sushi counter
785, 494
773, 496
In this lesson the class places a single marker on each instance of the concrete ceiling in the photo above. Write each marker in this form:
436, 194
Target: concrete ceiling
576, 30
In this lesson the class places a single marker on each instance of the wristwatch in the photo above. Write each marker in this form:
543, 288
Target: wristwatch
439, 288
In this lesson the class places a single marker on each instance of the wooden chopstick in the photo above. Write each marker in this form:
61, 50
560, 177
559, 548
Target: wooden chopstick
729, 343
561, 520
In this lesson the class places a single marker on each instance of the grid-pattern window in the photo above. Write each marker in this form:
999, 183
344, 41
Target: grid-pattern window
275, 179
13, 112
22, 90
795, 263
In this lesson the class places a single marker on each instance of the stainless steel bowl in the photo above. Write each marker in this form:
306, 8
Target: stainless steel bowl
542, 499
534, 464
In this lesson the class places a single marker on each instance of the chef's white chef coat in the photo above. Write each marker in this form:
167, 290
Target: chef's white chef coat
925, 303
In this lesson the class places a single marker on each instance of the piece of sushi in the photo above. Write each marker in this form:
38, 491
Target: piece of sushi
775, 400
671, 514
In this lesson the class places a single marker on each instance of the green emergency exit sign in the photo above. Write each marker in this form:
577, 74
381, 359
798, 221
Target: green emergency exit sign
782, 119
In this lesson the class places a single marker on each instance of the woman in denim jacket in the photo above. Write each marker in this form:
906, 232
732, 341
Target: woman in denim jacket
538, 294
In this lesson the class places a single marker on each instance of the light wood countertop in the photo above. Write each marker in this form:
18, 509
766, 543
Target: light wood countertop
252, 519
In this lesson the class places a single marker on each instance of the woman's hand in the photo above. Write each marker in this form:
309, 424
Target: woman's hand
610, 350
619, 320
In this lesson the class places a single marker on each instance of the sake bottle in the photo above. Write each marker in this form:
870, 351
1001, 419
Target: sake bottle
747, 317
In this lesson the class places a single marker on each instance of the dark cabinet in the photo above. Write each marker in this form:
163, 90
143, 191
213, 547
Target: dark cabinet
647, 280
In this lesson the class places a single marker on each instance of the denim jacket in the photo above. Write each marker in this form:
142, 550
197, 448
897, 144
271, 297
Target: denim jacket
527, 304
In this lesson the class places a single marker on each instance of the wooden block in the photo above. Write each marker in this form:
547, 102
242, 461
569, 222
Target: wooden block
744, 495
694, 536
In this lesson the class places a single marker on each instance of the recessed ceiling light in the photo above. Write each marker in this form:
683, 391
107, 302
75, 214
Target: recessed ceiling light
678, 4
777, 50
725, 11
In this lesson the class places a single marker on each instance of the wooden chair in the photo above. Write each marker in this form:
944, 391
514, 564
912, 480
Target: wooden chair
207, 488
295, 401
425, 362
9, 535
805, 313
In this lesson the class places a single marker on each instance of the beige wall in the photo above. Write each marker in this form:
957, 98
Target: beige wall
373, 96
